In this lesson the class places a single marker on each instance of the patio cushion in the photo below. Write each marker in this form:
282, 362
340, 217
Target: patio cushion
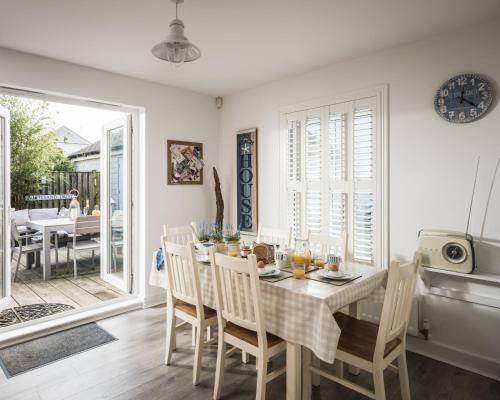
20, 217
43, 213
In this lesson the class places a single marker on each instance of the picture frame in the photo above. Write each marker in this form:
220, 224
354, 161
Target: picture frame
247, 180
184, 163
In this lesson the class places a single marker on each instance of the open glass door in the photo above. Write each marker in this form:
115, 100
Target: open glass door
4, 208
116, 203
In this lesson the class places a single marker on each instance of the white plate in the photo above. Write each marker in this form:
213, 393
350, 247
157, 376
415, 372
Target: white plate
324, 273
268, 271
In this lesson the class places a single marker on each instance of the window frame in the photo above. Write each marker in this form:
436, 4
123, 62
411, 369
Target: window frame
380, 93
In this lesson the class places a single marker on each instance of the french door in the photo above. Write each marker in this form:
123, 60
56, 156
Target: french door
116, 203
4, 208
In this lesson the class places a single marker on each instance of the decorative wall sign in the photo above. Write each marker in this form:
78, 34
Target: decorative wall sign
246, 180
38, 197
185, 163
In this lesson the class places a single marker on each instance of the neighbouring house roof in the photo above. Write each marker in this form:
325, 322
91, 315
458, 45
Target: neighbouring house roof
95, 148
66, 135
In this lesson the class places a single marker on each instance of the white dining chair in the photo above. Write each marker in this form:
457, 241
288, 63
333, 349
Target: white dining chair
184, 300
274, 236
180, 234
84, 225
373, 347
241, 318
325, 244
26, 246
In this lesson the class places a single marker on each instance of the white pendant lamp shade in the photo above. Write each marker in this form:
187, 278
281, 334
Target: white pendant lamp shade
176, 48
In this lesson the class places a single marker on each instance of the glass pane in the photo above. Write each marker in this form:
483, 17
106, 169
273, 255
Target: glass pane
2, 205
116, 170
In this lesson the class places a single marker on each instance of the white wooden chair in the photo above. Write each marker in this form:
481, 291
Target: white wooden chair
184, 299
25, 247
274, 236
180, 235
372, 347
88, 225
327, 244
241, 318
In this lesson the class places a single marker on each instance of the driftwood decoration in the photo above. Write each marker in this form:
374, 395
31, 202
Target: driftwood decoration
219, 202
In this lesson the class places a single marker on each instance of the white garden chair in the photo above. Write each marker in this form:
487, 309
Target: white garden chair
88, 225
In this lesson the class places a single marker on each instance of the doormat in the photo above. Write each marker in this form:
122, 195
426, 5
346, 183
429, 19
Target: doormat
16, 315
36, 353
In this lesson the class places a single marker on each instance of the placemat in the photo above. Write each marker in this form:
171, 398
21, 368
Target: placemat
316, 277
311, 268
280, 277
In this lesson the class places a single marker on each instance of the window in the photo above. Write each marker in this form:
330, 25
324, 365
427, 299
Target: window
335, 168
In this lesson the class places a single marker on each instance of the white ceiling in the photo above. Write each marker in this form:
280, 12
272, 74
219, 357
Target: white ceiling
244, 43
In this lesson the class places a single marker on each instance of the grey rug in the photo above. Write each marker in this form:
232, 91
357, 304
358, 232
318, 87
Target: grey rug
36, 353
19, 314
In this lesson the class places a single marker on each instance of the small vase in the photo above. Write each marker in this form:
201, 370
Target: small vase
233, 247
220, 248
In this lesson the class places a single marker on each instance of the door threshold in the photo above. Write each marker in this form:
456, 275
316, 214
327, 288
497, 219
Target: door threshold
38, 329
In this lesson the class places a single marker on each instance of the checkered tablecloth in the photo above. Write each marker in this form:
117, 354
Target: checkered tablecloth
300, 317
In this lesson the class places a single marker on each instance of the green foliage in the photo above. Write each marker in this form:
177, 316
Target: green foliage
33, 150
216, 235
231, 235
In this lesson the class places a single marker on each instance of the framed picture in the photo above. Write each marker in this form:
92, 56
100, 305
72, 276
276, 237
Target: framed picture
185, 163
246, 180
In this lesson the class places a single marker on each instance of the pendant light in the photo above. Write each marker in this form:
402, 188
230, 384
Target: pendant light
176, 48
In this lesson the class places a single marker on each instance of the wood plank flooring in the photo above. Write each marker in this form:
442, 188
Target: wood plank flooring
132, 368
85, 290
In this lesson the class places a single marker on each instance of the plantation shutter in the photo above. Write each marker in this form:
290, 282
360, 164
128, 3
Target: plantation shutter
331, 174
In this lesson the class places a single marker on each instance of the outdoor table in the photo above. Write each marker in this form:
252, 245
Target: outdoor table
47, 227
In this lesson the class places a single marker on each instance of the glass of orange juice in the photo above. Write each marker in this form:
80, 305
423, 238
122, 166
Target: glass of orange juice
298, 271
232, 253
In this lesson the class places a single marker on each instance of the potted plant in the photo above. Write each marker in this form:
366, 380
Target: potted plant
217, 238
203, 233
232, 239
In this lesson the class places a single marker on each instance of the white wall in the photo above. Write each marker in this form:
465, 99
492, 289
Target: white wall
169, 113
431, 161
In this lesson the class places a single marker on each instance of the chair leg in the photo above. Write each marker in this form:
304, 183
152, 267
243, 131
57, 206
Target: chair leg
261, 378
170, 347
193, 335
17, 266
56, 246
93, 255
403, 376
378, 382
74, 263
339, 368
219, 369
198, 350
67, 260
244, 357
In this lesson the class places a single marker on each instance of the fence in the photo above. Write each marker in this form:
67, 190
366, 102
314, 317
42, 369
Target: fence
87, 184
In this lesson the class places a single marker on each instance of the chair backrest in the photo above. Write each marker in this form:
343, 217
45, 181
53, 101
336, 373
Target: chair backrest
14, 231
325, 244
87, 225
180, 235
237, 292
398, 301
182, 274
274, 236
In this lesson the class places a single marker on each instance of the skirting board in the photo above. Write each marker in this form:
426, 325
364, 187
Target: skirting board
451, 355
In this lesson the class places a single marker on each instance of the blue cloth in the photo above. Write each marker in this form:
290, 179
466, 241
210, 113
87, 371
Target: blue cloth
159, 259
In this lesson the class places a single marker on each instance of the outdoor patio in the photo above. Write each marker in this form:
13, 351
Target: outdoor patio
62, 288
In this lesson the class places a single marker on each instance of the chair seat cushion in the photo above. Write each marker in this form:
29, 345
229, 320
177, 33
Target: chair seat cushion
359, 337
191, 310
250, 336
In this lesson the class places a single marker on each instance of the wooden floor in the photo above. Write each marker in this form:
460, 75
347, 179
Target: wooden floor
86, 289
132, 368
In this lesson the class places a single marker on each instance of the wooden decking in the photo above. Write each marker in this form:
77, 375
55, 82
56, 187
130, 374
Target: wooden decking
85, 290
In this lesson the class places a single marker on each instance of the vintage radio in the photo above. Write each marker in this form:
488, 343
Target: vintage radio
452, 251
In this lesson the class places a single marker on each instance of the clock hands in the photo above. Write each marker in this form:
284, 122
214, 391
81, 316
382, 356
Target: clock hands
462, 99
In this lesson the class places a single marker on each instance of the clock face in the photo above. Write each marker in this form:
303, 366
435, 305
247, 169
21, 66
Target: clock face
463, 98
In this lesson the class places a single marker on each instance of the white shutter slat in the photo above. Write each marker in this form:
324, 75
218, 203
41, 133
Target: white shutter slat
337, 213
293, 151
313, 148
337, 146
363, 143
294, 207
363, 223
313, 211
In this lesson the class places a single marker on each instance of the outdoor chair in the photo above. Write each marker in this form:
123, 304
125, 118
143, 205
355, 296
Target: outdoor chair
89, 225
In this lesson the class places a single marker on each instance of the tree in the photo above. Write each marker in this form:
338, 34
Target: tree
33, 150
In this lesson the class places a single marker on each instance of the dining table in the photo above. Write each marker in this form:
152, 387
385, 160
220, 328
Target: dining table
301, 311
46, 227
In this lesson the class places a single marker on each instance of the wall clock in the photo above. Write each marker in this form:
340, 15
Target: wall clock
464, 98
